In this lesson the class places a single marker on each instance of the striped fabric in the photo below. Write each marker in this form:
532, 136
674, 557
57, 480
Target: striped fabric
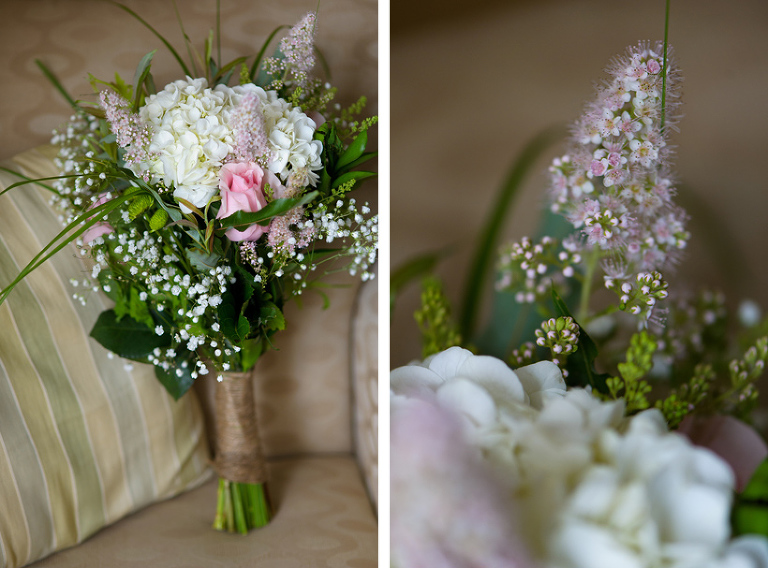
83, 440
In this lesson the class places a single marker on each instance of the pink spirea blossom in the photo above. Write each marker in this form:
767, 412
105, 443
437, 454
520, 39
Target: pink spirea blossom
288, 232
131, 133
242, 189
247, 123
619, 159
298, 49
448, 511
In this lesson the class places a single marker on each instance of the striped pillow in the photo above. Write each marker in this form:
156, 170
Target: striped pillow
83, 440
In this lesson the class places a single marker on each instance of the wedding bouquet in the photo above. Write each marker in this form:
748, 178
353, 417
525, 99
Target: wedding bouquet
555, 463
204, 208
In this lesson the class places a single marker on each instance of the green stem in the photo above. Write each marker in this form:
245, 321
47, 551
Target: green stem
219, 523
664, 69
237, 501
586, 286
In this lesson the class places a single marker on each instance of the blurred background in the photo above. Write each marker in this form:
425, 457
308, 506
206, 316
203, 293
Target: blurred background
472, 83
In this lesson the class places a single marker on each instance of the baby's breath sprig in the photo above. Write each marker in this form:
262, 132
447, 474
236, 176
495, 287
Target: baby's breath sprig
528, 269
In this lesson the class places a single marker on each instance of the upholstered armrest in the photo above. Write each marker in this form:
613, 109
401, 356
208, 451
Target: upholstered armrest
364, 368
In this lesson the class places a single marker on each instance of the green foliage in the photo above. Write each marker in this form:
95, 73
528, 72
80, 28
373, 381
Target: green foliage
409, 272
434, 319
126, 337
750, 511
630, 385
139, 205
178, 379
242, 220
581, 366
688, 396
158, 220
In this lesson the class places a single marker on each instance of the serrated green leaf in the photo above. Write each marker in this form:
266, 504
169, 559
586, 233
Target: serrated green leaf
203, 262
127, 338
271, 317
243, 327
354, 151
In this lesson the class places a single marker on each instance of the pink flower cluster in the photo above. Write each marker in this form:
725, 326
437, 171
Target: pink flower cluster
613, 185
247, 122
132, 134
290, 231
298, 48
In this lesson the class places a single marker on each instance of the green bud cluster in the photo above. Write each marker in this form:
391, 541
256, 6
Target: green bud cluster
434, 319
560, 336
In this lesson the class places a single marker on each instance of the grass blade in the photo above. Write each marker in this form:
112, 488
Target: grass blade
56, 83
260, 55
480, 270
157, 34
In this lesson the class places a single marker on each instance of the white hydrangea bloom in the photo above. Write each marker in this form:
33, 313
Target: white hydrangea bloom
192, 136
593, 488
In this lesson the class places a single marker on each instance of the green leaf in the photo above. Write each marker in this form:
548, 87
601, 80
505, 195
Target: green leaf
410, 271
243, 327
56, 83
142, 70
487, 244
127, 338
271, 317
260, 55
241, 219
251, 351
234, 325
176, 383
581, 365
750, 511
361, 160
354, 151
351, 176
203, 262
160, 37
227, 70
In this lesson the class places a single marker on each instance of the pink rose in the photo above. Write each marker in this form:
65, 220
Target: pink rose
731, 439
242, 189
99, 229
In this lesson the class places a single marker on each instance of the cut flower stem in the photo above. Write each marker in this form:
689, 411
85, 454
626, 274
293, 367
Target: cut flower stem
241, 507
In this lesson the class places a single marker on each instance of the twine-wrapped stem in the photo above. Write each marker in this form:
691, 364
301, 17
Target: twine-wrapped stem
239, 456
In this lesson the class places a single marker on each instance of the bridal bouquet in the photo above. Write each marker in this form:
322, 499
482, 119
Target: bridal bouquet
205, 205
556, 464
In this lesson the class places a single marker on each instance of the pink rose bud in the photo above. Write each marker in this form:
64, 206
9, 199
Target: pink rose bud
242, 189
99, 229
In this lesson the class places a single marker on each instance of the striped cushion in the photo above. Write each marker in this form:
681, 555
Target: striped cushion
83, 440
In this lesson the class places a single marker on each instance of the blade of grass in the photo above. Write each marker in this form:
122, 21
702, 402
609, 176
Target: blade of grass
31, 180
157, 34
56, 83
187, 41
88, 219
260, 55
480, 269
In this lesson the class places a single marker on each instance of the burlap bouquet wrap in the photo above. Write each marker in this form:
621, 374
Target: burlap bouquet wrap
239, 456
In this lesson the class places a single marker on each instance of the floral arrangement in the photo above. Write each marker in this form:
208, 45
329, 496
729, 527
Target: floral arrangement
204, 208
555, 463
